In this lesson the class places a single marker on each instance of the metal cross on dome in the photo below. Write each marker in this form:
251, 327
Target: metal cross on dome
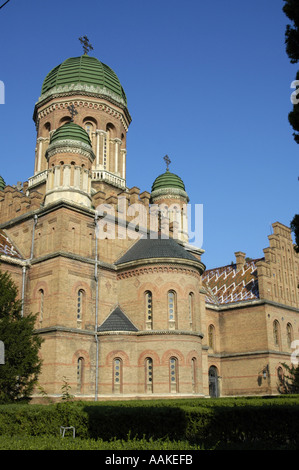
167, 161
86, 44
72, 111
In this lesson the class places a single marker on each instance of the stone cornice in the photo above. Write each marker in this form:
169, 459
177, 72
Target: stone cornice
155, 265
69, 255
249, 303
167, 193
83, 89
265, 352
70, 146
50, 106
62, 329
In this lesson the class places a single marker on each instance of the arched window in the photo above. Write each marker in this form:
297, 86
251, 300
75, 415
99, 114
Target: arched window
173, 374
213, 382
148, 375
172, 309
289, 334
211, 336
64, 120
117, 375
89, 128
41, 304
80, 374
191, 308
276, 333
80, 305
148, 310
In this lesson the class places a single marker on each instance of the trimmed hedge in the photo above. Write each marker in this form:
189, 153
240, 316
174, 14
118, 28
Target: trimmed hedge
202, 422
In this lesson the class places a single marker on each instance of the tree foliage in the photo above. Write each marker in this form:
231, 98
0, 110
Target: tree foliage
291, 9
290, 379
295, 229
22, 365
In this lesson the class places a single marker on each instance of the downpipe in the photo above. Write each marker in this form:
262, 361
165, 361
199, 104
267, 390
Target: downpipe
24, 270
96, 310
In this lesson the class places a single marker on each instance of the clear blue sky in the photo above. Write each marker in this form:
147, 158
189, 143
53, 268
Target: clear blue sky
207, 82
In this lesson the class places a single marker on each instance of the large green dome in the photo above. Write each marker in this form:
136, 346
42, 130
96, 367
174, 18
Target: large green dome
84, 72
71, 131
168, 180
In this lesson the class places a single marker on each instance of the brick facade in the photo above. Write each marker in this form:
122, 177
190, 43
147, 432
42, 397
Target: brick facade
152, 326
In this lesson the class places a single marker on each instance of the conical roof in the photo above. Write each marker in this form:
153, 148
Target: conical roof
149, 248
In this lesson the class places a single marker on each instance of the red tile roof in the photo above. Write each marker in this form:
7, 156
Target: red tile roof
225, 284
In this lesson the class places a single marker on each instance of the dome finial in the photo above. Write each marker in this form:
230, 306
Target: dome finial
167, 161
86, 44
72, 111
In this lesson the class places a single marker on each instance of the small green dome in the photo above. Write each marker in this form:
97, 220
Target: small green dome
84, 71
168, 180
71, 131
2, 183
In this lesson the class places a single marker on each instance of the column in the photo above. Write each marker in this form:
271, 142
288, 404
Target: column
124, 154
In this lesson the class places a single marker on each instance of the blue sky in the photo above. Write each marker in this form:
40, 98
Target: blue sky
207, 82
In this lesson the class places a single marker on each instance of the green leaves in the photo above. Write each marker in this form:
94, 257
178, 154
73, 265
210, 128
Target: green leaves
22, 364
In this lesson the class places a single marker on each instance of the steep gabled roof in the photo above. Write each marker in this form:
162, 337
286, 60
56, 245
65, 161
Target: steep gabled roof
7, 248
117, 321
226, 285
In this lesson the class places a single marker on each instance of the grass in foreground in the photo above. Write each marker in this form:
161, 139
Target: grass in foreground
68, 443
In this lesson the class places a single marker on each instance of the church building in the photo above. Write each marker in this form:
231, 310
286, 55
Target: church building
128, 310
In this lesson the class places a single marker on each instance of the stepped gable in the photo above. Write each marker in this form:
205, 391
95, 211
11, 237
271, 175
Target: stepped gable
226, 285
7, 248
117, 321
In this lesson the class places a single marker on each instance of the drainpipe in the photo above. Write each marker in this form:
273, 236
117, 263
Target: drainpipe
24, 267
23, 289
96, 310
33, 234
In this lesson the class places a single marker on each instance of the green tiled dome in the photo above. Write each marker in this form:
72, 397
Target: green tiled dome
85, 71
70, 131
2, 183
168, 180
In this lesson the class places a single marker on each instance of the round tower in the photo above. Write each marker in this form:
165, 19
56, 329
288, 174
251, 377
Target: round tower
69, 159
89, 93
169, 195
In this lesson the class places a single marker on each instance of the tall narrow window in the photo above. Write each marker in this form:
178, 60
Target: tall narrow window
41, 304
173, 374
89, 128
276, 333
211, 336
172, 309
117, 375
80, 374
148, 310
289, 334
148, 375
191, 309
194, 374
80, 305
